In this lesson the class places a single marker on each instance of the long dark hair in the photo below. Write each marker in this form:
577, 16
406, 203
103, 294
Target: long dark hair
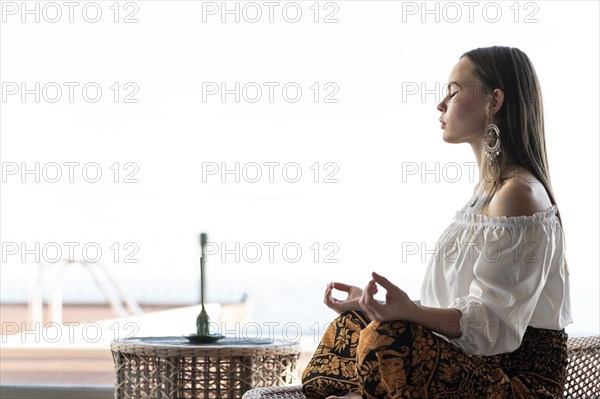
520, 118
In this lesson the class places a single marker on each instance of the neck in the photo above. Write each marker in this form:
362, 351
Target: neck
481, 157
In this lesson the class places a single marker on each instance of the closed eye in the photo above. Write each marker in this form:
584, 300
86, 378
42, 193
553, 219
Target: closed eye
452, 95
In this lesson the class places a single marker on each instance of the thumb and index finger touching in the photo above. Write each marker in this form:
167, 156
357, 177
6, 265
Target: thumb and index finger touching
384, 282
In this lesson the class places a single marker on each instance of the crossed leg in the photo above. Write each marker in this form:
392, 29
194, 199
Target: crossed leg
400, 359
332, 369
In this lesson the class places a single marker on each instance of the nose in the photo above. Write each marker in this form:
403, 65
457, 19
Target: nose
441, 106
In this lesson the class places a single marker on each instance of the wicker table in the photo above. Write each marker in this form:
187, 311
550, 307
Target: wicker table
172, 368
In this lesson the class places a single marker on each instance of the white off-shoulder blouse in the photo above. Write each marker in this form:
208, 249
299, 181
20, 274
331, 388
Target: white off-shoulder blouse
503, 274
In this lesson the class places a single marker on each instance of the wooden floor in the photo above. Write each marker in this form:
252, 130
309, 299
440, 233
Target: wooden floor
58, 366
67, 366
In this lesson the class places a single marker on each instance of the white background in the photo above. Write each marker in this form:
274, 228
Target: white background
374, 131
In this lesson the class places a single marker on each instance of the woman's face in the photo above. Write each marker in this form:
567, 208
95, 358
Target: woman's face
465, 109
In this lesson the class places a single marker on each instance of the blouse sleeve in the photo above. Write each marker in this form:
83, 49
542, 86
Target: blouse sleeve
510, 271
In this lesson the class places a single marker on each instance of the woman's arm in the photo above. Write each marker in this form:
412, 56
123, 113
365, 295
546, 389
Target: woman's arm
445, 321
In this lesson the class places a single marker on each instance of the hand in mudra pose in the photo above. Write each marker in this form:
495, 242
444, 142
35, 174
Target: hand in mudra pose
340, 306
397, 305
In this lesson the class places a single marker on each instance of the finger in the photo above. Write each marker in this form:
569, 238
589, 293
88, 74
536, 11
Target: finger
329, 293
374, 289
365, 307
361, 303
384, 282
368, 293
341, 286
371, 303
328, 298
331, 302
361, 299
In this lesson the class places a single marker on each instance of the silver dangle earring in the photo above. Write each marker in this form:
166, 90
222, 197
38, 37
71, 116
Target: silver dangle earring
492, 143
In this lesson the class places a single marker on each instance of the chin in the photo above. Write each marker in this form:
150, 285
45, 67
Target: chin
448, 138
452, 138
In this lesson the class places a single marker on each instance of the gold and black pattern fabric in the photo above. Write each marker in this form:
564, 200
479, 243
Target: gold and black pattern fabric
332, 369
401, 359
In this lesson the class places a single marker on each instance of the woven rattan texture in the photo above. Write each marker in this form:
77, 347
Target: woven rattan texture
181, 372
583, 371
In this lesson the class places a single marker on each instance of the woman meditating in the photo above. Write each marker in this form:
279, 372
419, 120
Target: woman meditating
495, 297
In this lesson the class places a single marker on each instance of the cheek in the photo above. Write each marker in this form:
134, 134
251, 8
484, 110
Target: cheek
463, 115
461, 107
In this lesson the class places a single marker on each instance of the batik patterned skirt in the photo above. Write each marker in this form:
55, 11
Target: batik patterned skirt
401, 359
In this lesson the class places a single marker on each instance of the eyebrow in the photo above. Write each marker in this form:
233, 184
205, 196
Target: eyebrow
453, 82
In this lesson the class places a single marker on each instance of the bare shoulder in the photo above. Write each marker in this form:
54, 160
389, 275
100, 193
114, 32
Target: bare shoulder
519, 196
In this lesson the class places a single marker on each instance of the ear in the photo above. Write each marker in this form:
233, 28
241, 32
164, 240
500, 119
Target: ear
497, 100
